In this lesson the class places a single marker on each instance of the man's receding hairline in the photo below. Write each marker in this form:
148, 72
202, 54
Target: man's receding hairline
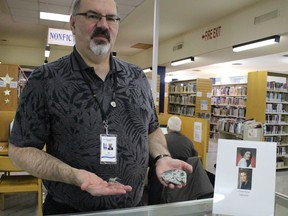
76, 6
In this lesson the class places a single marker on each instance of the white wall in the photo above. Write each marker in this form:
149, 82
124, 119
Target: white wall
30, 56
236, 28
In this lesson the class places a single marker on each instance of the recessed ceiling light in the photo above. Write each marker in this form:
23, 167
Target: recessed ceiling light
237, 63
55, 17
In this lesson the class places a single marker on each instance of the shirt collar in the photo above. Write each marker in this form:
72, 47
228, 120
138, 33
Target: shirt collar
78, 64
77, 61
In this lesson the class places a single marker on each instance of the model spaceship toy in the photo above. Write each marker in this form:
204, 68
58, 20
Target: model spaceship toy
175, 176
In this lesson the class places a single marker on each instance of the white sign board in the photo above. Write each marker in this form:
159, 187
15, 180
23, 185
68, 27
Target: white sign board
203, 105
60, 37
197, 132
245, 178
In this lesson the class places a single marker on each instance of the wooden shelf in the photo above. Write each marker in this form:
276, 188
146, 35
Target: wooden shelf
9, 100
190, 98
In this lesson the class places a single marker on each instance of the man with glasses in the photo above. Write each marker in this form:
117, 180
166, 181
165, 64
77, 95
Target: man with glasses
78, 106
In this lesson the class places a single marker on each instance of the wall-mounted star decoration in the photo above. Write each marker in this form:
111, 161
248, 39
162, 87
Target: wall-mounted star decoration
7, 101
7, 92
7, 79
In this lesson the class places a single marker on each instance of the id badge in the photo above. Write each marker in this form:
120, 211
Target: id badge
108, 153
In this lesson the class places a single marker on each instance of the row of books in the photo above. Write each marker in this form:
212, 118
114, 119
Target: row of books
229, 90
274, 129
231, 111
214, 137
183, 87
213, 128
274, 118
229, 101
276, 97
182, 99
231, 126
204, 116
281, 151
277, 86
182, 110
276, 139
214, 119
275, 108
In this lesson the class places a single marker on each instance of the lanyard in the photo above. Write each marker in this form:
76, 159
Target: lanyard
112, 103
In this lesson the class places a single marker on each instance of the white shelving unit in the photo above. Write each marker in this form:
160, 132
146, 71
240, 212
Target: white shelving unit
268, 103
276, 124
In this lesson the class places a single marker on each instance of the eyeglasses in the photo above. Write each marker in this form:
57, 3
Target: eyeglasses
96, 17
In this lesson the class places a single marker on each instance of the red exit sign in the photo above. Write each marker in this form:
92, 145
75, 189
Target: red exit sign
212, 33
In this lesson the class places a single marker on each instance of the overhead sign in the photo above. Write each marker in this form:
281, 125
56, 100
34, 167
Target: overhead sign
212, 33
60, 37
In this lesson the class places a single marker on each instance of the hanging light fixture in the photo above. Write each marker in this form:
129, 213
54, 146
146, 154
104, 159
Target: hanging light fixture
47, 51
182, 61
256, 43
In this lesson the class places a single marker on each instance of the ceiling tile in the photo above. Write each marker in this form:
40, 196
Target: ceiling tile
52, 24
28, 20
24, 13
52, 8
125, 9
67, 3
24, 5
129, 2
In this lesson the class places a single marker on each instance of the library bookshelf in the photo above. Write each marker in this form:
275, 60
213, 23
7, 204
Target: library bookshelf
228, 109
268, 103
190, 98
191, 101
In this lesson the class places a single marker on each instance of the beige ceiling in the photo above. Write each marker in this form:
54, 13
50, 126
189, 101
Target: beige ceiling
20, 26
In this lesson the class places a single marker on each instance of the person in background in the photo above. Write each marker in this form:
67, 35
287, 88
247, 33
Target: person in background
180, 147
78, 104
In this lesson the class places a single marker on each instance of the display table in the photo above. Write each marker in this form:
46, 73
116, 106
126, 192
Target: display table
188, 208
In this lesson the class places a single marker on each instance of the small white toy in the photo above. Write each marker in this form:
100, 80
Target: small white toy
114, 180
175, 176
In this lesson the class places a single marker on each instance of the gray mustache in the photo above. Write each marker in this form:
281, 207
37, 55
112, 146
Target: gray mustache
101, 31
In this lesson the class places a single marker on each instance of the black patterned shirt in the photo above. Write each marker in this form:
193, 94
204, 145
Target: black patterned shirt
57, 108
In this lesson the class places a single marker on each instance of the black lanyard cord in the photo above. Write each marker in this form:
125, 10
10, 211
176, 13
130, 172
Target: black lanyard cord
113, 103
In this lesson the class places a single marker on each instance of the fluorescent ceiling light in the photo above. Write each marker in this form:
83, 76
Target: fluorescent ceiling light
146, 70
182, 61
256, 43
55, 17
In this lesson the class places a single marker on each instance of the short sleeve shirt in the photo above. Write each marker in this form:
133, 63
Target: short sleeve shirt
58, 108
